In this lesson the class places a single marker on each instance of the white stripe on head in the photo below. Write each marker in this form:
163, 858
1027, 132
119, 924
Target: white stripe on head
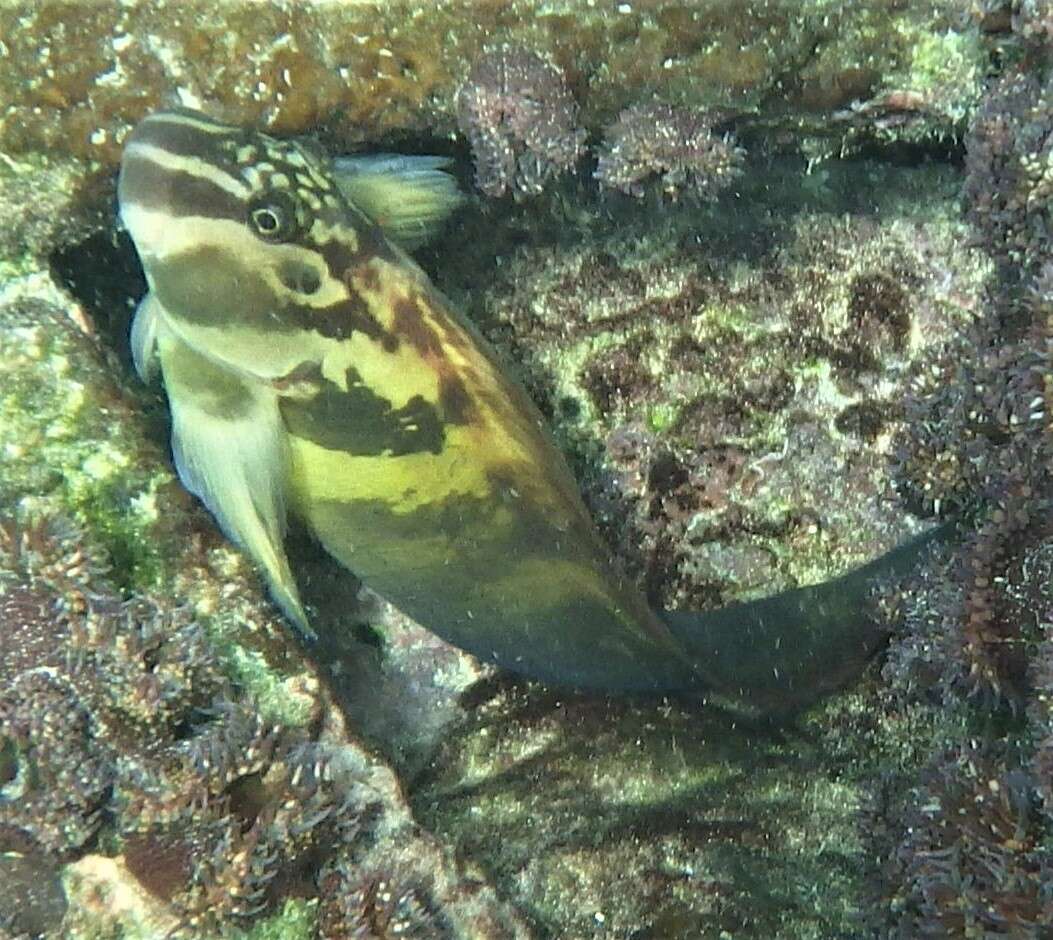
195, 166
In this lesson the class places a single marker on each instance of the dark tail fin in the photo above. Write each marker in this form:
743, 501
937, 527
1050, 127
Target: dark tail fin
780, 654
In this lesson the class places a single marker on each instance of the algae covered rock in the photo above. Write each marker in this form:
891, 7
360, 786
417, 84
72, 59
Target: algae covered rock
78, 75
756, 392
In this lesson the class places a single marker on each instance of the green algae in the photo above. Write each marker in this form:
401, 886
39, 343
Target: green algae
295, 921
63, 444
277, 698
662, 416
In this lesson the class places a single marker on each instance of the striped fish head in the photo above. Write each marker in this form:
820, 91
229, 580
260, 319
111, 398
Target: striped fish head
245, 240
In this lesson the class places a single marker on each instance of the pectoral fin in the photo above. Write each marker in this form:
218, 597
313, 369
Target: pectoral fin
144, 338
230, 450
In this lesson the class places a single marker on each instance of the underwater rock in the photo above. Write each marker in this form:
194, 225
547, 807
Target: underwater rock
730, 357
703, 382
78, 75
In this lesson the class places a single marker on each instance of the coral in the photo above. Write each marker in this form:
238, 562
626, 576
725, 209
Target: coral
1009, 168
357, 72
675, 145
362, 904
61, 780
113, 716
226, 846
521, 120
964, 850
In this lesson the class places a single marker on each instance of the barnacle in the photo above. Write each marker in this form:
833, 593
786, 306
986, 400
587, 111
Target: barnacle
677, 146
117, 728
521, 119
364, 904
971, 863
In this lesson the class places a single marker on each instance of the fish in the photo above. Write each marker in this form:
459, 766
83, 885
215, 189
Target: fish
314, 372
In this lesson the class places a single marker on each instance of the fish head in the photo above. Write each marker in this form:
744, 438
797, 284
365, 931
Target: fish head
246, 241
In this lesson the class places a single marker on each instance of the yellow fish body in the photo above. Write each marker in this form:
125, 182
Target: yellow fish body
312, 369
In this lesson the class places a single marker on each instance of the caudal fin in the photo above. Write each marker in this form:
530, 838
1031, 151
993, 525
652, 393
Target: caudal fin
780, 654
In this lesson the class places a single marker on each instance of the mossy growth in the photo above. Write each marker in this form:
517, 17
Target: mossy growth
295, 921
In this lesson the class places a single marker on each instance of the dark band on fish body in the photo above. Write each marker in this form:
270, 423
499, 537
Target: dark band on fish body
342, 320
552, 632
216, 392
409, 322
361, 423
191, 281
180, 133
456, 403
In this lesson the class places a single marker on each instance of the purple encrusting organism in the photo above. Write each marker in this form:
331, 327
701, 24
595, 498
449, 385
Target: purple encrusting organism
521, 119
676, 145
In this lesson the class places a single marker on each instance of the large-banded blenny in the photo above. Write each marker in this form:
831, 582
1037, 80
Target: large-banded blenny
313, 370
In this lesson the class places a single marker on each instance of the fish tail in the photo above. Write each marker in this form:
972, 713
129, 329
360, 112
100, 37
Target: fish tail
775, 656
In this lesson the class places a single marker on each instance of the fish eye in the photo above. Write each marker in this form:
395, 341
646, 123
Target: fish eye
272, 216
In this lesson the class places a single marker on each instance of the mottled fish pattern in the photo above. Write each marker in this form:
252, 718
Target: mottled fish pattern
312, 369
